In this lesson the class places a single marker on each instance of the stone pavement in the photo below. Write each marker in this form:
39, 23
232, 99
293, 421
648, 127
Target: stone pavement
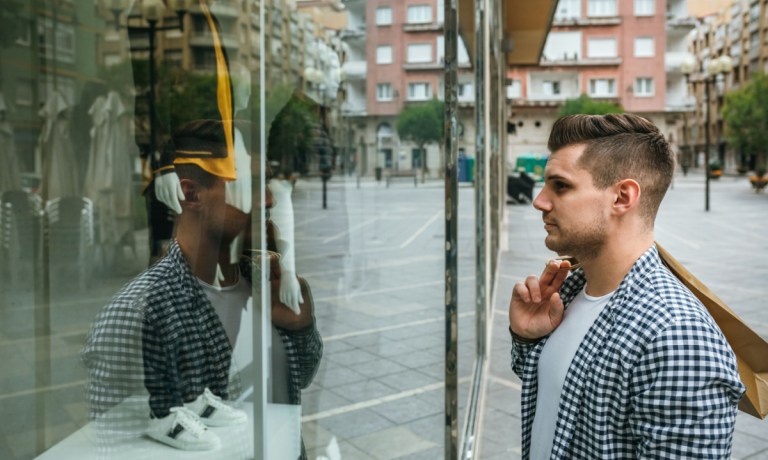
724, 248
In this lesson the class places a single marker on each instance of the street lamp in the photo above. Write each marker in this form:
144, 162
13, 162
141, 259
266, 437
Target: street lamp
707, 74
152, 12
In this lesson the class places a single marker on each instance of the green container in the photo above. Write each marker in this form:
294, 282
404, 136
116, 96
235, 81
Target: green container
470, 170
532, 164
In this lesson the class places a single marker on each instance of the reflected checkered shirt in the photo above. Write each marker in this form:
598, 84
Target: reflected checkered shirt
160, 332
653, 378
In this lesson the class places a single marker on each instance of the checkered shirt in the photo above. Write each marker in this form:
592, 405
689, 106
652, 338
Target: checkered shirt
160, 334
653, 378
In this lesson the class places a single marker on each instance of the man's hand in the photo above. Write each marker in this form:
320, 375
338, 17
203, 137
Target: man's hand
283, 316
536, 308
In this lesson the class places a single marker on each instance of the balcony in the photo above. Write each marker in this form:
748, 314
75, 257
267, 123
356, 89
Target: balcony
593, 21
355, 70
423, 27
205, 38
423, 66
673, 60
588, 62
674, 21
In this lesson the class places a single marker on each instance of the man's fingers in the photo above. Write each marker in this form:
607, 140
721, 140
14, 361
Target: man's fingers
521, 292
550, 272
532, 283
555, 310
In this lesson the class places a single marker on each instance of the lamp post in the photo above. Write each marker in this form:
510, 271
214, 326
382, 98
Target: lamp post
152, 12
708, 74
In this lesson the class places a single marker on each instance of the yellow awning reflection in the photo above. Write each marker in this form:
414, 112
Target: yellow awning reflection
525, 28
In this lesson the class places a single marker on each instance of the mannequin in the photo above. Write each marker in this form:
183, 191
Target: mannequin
238, 194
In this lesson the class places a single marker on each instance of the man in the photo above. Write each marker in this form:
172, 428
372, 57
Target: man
171, 331
617, 360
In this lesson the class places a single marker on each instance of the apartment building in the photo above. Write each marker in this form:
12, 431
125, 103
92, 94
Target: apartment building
395, 57
739, 30
625, 52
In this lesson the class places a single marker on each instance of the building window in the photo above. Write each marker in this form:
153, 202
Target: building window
515, 89
111, 59
384, 54
384, 92
419, 14
562, 46
644, 47
601, 8
419, 91
24, 92
602, 87
421, 52
24, 33
644, 87
465, 92
550, 87
601, 48
568, 9
644, 7
383, 16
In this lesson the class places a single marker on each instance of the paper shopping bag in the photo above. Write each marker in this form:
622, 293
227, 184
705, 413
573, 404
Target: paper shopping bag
751, 350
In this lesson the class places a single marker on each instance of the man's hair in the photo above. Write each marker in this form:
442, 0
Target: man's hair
620, 146
198, 136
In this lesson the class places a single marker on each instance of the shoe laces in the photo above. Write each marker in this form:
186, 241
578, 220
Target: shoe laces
189, 420
215, 401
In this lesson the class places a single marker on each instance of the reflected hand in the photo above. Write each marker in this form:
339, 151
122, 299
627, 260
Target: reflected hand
283, 316
168, 191
290, 291
536, 308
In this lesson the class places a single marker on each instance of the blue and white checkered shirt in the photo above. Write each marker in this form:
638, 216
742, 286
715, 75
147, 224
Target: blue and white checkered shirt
653, 378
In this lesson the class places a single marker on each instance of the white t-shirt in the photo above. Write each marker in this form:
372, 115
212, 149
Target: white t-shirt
230, 302
556, 357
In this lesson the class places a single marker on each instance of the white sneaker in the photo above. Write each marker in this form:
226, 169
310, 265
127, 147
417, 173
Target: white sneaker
183, 430
213, 412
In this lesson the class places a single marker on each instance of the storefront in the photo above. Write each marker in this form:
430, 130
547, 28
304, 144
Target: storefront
311, 149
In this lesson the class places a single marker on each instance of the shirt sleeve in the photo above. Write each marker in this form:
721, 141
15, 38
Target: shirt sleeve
520, 350
685, 391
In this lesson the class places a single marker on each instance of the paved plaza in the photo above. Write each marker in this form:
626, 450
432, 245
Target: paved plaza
375, 262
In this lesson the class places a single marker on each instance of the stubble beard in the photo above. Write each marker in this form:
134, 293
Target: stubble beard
582, 243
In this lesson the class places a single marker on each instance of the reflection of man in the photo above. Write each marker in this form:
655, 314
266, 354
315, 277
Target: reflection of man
172, 329
619, 360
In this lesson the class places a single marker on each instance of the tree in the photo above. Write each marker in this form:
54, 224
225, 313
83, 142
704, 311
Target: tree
422, 124
745, 113
586, 105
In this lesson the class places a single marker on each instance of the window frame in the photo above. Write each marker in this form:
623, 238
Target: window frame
422, 6
645, 55
651, 88
381, 48
603, 39
382, 9
593, 84
427, 59
594, 12
379, 96
427, 94
645, 12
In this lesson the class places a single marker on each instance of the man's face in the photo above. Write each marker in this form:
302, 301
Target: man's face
225, 221
575, 213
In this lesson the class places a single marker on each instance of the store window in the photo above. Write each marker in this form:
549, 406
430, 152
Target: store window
313, 317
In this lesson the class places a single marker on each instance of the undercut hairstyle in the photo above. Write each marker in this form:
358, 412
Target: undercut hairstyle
618, 147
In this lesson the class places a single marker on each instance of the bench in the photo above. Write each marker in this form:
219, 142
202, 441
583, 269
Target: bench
406, 174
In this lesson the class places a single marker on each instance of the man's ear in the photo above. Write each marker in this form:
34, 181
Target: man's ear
627, 196
191, 191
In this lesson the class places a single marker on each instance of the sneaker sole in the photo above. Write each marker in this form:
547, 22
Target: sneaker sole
181, 445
